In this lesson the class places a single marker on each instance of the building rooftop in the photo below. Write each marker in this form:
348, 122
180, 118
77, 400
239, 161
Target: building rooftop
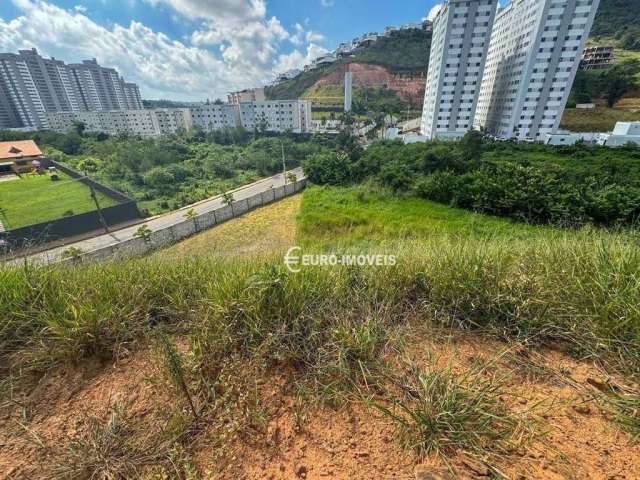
19, 149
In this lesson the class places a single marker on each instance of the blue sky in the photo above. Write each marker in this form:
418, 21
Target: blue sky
196, 49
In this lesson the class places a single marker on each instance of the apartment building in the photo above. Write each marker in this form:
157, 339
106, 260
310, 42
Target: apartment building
275, 116
459, 45
20, 99
31, 87
144, 123
210, 117
249, 95
534, 53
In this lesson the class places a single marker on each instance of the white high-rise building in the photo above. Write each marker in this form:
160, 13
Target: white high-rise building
535, 51
459, 45
32, 87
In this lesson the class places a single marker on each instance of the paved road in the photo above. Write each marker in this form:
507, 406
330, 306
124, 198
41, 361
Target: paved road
159, 222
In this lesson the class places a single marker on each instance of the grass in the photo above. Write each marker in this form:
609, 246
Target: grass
361, 215
437, 411
35, 199
602, 119
263, 231
335, 333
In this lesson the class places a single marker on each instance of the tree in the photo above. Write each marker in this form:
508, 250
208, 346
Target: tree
617, 84
471, 145
192, 215
227, 199
329, 168
144, 232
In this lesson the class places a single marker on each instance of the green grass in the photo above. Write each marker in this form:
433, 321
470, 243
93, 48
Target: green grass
36, 199
441, 412
361, 214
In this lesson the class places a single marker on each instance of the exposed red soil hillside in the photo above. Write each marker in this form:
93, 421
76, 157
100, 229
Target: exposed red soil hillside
409, 87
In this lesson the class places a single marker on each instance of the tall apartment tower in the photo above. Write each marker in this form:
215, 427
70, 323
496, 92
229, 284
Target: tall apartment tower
23, 104
459, 47
535, 51
32, 86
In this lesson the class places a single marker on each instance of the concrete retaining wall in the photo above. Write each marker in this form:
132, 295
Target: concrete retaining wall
179, 231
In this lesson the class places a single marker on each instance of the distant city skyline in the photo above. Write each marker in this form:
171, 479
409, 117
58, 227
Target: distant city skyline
196, 49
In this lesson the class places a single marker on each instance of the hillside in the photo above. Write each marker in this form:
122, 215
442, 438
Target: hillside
483, 354
396, 63
616, 17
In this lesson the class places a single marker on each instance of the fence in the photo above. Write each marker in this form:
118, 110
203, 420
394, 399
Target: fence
179, 231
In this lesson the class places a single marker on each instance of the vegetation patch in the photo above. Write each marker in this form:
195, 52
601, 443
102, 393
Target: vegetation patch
564, 186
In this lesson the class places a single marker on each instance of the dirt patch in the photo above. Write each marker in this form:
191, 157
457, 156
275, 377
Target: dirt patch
286, 436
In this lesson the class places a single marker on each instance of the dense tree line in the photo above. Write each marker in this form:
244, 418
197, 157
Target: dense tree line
568, 186
171, 172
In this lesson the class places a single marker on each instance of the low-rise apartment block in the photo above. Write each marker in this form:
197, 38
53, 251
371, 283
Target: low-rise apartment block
272, 115
249, 95
143, 123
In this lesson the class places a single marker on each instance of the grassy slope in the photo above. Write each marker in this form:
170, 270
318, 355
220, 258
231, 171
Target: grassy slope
36, 199
603, 119
359, 215
261, 232
260, 347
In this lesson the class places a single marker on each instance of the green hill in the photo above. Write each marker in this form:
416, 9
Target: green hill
617, 17
405, 51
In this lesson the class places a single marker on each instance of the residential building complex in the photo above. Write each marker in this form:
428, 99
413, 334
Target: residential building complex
31, 87
459, 45
597, 57
534, 53
144, 123
272, 115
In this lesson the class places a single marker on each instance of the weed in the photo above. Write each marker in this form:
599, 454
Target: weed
440, 412
106, 451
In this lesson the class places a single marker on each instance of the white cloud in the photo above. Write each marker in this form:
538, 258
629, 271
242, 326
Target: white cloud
314, 37
163, 67
217, 10
433, 12
297, 60
327, 3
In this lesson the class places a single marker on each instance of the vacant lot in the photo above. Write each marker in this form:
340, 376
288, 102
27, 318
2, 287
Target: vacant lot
602, 119
37, 199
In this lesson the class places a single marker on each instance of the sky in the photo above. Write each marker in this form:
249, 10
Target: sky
196, 49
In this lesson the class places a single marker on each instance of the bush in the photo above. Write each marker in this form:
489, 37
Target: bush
329, 169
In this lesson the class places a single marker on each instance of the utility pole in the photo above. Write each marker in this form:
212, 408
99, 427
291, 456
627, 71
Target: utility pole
284, 163
95, 200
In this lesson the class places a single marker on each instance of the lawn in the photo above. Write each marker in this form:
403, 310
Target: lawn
36, 199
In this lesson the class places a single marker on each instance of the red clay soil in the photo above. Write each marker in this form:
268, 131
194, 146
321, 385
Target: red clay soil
292, 440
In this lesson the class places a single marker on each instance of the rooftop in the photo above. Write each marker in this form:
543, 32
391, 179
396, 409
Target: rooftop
19, 149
